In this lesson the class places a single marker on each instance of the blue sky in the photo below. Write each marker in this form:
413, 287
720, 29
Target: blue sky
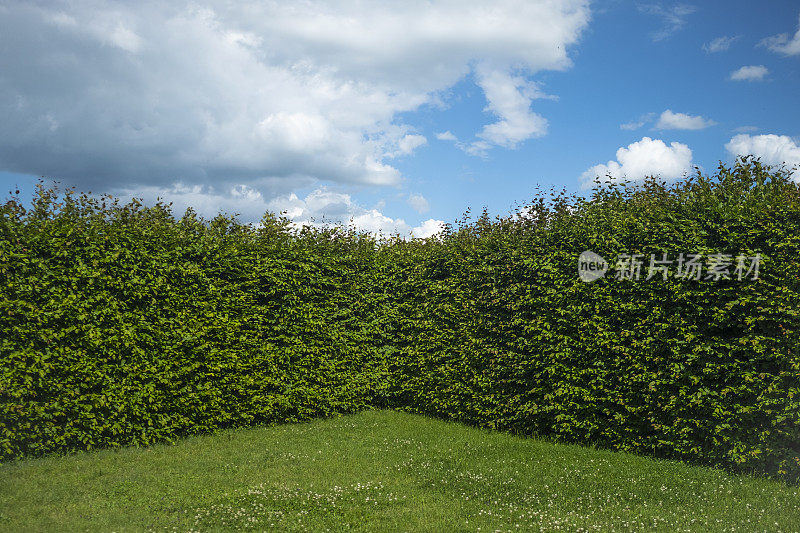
396, 115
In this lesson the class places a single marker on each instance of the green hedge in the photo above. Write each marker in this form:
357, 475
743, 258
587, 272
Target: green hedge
496, 328
120, 324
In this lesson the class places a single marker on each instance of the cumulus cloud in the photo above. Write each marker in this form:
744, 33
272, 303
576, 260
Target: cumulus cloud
429, 228
681, 121
268, 95
446, 136
782, 44
673, 18
773, 150
318, 208
509, 99
324, 207
247, 203
419, 203
647, 157
750, 73
407, 144
720, 44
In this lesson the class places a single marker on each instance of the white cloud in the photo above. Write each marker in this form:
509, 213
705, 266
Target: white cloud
509, 98
324, 207
476, 148
446, 136
632, 125
783, 44
407, 144
720, 44
674, 18
636, 124
750, 73
246, 202
681, 121
271, 95
318, 208
419, 203
647, 157
773, 150
429, 228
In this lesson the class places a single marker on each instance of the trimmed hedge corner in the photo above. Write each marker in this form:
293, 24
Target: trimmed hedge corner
121, 324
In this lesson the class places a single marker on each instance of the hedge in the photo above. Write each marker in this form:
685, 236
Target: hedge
122, 324
496, 328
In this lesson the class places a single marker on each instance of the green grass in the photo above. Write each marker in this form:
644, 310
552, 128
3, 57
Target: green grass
381, 471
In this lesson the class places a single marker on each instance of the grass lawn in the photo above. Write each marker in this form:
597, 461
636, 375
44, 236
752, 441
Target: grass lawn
381, 471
